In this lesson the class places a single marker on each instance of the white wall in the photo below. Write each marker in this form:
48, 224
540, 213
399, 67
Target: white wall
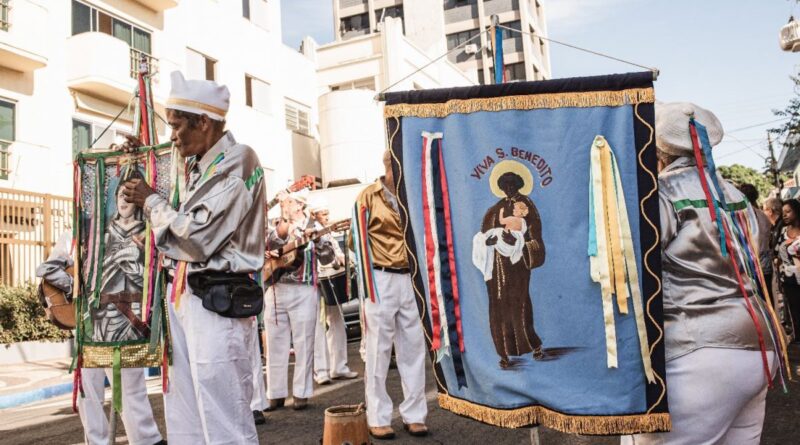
42, 153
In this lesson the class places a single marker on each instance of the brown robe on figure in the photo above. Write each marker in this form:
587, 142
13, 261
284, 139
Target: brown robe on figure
510, 306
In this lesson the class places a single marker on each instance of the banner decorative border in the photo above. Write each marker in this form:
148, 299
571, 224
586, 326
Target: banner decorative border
573, 424
631, 96
136, 355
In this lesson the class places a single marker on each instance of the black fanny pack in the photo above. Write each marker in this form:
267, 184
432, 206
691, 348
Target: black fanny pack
229, 295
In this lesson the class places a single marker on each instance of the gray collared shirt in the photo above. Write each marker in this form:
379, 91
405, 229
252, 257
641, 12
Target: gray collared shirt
703, 305
219, 225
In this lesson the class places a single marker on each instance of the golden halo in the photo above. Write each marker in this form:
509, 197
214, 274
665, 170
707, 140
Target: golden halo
513, 167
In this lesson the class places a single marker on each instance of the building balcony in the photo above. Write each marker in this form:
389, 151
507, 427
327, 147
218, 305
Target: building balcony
158, 5
22, 42
103, 66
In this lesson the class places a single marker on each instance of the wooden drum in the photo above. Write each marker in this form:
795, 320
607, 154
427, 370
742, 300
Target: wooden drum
346, 425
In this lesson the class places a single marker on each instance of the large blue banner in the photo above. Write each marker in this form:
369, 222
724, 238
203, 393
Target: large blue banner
530, 213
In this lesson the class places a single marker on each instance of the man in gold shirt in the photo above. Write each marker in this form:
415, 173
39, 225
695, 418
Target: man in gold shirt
392, 318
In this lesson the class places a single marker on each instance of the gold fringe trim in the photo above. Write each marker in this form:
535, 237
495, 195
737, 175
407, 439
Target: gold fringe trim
589, 99
529, 415
132, 356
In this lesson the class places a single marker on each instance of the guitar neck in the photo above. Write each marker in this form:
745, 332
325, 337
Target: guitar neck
275, 201
297, 242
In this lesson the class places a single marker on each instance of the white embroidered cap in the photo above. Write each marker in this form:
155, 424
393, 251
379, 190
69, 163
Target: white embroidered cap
672, 127
300, 196
198, 97
317, 204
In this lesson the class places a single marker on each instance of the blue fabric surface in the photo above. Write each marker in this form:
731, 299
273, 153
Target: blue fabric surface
567, 305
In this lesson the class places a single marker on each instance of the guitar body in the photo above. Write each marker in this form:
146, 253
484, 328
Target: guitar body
274, 266
58, 309
289, 256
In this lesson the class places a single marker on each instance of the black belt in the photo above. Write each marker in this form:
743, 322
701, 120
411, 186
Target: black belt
401, 270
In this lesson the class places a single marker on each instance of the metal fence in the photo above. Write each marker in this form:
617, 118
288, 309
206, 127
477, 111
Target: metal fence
30, 224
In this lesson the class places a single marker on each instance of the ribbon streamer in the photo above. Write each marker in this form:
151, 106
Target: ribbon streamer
611, 251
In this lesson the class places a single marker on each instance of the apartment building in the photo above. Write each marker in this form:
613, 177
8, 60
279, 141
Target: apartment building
526, 56
68, 68
67, 77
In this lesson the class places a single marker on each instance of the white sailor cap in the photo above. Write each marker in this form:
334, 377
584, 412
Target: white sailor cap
672, 127
317, 204
300, 196
198, 97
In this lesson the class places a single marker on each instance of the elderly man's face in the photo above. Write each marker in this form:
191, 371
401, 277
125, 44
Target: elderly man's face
190, 140
322, 216
294, 208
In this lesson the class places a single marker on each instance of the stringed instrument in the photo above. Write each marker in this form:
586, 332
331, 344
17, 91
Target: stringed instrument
306, 181
289, 253
59, 310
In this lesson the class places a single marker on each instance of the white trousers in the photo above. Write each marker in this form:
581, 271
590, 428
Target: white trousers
330, 347
140, 427
210, 380
290, 317
716, 396
321, 363
259, 400
394, 320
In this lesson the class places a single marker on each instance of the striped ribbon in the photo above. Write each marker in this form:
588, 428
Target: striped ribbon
366, 275
440, 257
611, 252
737, 241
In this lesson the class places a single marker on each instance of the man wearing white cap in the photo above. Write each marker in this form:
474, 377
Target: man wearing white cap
212, 243
330, 347
717, 384
291, 303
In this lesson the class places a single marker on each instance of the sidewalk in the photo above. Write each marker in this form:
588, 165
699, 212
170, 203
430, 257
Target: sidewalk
34, 381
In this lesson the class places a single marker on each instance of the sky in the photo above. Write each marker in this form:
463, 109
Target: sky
720, 54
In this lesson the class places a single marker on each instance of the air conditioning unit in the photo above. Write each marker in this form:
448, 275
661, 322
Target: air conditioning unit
471, 48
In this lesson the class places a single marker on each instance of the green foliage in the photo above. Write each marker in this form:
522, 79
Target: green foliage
791, 127
739, 174
22, 317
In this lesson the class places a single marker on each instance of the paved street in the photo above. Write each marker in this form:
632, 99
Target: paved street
52, 421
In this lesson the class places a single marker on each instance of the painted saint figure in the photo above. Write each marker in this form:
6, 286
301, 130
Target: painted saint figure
119, 316
506, 251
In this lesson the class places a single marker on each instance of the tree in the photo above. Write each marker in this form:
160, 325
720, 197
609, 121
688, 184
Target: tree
790, 129
739, 174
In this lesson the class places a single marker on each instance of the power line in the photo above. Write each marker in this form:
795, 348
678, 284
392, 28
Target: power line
649, 68
756, 125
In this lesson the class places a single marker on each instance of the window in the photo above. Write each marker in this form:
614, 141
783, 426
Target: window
367, 83
81, 136
256, 93
199, 66
297, 117
392, 11
507, 33
514, 72
7, 116
4, 7
88, 19
246, 9
87, 135
355, 23
450, 4
458, 38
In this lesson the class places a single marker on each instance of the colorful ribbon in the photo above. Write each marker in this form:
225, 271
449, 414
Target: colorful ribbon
611, 252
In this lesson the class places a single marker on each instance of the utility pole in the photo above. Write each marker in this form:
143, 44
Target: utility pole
773, 164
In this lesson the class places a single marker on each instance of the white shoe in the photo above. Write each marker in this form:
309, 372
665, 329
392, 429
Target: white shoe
322, 380
348, 375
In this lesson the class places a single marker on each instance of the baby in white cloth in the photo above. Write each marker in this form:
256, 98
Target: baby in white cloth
483, 255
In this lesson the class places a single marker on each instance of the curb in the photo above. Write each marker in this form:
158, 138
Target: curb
22, 398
